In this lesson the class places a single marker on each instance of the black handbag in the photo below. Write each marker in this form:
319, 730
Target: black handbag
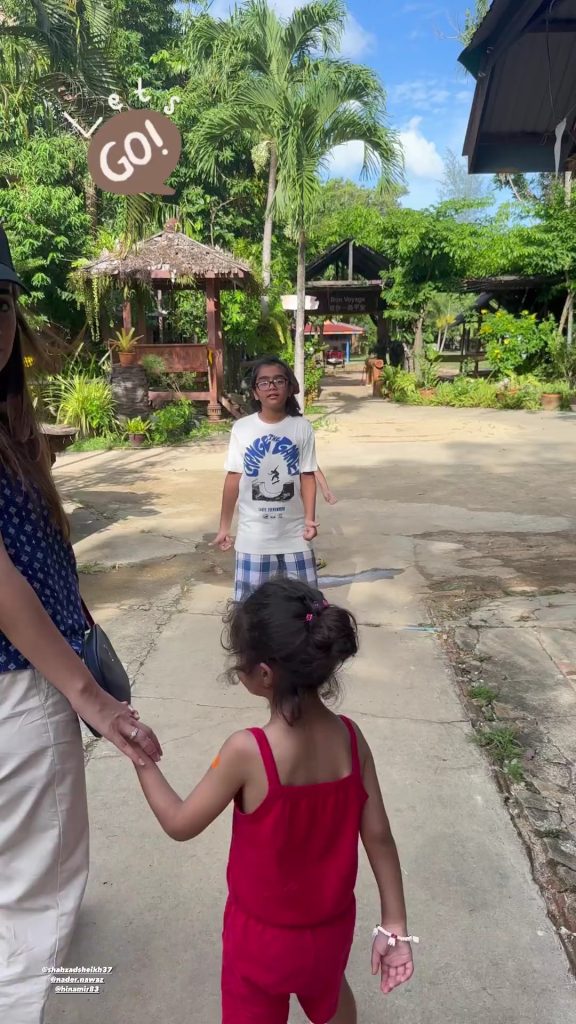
104, 664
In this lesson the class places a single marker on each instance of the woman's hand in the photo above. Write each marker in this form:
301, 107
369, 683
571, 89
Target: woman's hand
394, 963
121, 725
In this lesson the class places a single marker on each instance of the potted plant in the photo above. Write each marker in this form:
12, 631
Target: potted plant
551, 399
125, 343
136, 430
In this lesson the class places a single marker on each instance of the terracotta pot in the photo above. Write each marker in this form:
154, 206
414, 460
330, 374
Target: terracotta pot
128, 358
427, 392
137, 440
551, 402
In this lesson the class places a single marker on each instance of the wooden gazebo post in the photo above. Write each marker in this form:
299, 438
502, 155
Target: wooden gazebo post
215, 347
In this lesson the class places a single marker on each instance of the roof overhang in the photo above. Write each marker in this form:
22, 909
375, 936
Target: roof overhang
522, 57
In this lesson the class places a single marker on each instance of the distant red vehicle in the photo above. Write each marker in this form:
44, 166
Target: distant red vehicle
335, 357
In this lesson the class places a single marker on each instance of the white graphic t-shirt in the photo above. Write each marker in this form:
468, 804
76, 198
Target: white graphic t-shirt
271, 457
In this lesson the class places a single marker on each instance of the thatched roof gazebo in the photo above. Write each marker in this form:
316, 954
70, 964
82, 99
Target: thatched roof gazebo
166, 261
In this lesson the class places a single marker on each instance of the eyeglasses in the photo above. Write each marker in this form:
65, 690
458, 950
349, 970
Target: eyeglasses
265, 383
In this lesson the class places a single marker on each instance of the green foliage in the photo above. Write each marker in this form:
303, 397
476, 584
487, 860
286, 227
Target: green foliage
428, 368
501, 744
136, 425
563, 359
467, 393
472, 19
516, 344
83, 401
172, 424
400, 385
155, 370
125, 341
312, 380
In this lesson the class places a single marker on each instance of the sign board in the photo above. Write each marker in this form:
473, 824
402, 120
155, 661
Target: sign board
289, 303
352, 301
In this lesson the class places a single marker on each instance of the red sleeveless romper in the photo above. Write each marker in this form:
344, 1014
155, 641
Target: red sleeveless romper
291, 911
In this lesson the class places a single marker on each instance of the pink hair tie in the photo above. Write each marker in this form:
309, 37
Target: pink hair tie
309, 617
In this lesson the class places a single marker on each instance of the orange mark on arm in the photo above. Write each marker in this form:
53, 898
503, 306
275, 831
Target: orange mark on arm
216, 761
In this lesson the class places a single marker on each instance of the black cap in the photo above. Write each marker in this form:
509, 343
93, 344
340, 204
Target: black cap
7, 272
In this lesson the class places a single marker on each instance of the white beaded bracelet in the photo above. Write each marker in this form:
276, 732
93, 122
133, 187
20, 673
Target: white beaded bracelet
393, 938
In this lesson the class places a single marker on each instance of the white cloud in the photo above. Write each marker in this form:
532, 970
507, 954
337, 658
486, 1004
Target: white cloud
346, 161
421, 94
422, 159
356, 40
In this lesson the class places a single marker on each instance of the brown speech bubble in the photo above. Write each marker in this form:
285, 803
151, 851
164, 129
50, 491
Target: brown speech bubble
135, 151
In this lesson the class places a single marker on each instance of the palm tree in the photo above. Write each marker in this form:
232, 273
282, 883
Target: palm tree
52, 57
256, 46
330, 103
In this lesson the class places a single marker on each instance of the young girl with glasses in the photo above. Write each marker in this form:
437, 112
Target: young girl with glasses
271, 469
305, 789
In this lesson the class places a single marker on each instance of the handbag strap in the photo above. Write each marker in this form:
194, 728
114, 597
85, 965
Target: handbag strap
87, 614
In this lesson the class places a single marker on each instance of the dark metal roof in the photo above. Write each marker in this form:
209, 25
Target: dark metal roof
522, 56
509, 283
366, 262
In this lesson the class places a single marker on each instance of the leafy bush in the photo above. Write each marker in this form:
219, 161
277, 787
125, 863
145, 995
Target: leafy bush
516, 344
312, 378
160, 380
173, 423
83, 401
400, 385
155, 369
467, 393
563, 358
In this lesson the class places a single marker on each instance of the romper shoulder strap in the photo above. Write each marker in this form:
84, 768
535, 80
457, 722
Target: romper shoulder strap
356, 766
267, 757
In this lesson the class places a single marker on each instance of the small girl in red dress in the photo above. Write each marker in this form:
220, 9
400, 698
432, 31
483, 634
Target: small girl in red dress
304, 789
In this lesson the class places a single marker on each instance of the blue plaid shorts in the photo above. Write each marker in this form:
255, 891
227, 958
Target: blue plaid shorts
253, 570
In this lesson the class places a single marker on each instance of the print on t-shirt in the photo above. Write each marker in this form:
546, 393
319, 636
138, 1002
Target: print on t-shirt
272, 463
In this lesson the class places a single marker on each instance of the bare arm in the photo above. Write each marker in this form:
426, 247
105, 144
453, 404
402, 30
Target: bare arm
308, 486
393, 963
229, 499
381, 849
30, 629
186, 819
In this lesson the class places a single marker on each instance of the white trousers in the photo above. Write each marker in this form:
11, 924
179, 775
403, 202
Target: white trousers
43, 839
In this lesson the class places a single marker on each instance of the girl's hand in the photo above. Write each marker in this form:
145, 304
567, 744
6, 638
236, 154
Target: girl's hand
223, 541
394, 963
310, 529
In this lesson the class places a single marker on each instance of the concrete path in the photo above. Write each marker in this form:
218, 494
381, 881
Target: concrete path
153, 907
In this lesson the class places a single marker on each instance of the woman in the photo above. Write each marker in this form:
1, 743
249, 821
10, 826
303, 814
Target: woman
44, 687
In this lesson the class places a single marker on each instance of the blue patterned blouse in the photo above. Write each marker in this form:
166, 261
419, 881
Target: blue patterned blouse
45, 559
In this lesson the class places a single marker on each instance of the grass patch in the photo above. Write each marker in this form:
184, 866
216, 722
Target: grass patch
502, 746
205, 430
316, 410
483, 694
91, 568
98, 444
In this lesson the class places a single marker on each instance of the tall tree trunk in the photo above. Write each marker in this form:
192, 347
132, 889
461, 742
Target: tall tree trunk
300, 315
268, 226
418, 344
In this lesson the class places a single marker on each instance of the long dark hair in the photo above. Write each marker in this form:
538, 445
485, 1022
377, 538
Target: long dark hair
292, 404
24, 451
291, 627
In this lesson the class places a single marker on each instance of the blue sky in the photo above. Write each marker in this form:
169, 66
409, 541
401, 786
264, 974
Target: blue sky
413, 46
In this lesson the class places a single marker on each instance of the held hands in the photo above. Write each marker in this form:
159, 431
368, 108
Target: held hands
310, 529
394, 963
223, 541
120, 724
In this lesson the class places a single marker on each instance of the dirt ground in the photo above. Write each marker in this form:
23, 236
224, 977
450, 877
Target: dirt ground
471, 512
